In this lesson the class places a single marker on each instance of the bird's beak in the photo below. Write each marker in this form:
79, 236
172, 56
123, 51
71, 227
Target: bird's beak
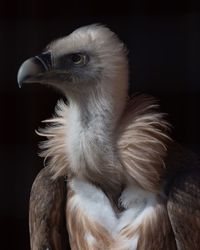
33, 68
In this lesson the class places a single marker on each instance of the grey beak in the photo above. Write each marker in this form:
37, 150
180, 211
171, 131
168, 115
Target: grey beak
34, 66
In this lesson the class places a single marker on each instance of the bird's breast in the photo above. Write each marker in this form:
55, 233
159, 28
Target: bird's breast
94, 224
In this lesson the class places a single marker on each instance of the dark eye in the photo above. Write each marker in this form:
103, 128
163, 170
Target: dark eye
79, 59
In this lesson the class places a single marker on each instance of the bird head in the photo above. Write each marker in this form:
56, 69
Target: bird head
91, 58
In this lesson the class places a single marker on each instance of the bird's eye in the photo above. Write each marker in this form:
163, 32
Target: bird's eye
79, 59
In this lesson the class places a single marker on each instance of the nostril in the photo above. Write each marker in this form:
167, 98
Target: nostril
45, 59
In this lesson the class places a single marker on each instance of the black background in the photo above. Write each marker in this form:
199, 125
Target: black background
163, 38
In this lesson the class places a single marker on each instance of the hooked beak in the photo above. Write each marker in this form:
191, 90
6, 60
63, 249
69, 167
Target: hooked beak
31, 70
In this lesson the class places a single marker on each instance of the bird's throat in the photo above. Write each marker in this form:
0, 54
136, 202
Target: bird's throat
91, 145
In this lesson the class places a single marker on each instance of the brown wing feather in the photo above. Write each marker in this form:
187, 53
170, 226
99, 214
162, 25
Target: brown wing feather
184, 210
46, 213
156, 231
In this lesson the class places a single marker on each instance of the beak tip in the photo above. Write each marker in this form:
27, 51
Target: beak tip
19, 85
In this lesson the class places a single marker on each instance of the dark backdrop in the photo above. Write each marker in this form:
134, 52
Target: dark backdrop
164, 44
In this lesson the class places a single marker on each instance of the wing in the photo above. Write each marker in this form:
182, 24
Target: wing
47, 213
184, 210
183, 192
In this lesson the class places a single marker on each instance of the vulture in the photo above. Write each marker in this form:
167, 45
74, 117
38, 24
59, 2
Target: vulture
114, 179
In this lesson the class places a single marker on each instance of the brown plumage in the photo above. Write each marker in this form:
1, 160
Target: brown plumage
46, 214
129, 186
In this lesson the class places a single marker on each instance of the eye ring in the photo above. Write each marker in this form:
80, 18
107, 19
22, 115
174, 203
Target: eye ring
78, 59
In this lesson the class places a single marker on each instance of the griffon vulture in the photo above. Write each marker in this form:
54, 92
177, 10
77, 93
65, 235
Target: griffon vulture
128, 185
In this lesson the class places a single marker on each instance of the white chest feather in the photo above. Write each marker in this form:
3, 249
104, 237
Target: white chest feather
138, 205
